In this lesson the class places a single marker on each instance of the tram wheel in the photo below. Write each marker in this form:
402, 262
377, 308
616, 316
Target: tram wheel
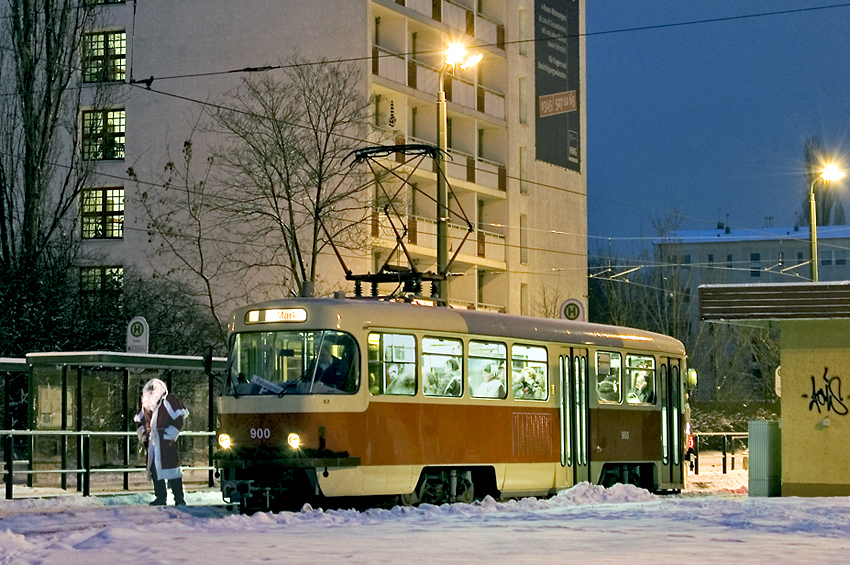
467, 495
411, 499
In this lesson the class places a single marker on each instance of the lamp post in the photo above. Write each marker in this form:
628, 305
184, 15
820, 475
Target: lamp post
455, 56
829, 174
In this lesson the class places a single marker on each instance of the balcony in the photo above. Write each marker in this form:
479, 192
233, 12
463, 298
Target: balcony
388, 65
464, 166
422, 232
419, 76
460, 18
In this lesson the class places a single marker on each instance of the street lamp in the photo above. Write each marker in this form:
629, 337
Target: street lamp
455, 57
830, 173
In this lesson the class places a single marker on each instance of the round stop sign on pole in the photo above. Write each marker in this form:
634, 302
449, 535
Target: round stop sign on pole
572, 310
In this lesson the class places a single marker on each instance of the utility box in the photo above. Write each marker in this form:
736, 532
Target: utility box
765, 472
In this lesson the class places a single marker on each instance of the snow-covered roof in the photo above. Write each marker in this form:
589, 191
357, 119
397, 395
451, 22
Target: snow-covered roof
751, 234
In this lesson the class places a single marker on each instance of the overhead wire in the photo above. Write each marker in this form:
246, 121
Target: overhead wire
146, 83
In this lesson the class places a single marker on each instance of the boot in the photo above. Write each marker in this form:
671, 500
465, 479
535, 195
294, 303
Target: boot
160, 493
177, 490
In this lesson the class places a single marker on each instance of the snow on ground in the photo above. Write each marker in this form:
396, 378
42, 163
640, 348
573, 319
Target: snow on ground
622, 524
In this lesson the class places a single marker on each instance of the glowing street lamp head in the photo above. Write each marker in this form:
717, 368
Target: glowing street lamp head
455, 54
831, 173
472, 61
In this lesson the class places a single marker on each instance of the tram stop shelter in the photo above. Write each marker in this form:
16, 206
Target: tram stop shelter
68, 418
814, 323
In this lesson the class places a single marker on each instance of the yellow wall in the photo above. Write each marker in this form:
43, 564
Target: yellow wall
815, 357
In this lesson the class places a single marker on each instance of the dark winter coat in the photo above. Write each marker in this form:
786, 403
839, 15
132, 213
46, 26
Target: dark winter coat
158, 430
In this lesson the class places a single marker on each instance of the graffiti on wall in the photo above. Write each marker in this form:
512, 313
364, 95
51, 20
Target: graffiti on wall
827, 397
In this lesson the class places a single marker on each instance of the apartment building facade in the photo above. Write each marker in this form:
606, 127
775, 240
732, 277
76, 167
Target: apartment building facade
755, 255
516, 126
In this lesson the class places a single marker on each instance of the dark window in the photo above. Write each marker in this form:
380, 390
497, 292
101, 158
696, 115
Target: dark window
103, 213
103, 134
105, 56
728, 261
755, 264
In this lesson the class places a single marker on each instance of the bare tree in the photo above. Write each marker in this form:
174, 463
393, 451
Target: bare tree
285, 150
547, 304
41, 169
184, 225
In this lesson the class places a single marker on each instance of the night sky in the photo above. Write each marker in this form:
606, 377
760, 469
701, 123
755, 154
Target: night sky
710, 119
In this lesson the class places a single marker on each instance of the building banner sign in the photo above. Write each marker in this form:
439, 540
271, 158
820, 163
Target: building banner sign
556, 81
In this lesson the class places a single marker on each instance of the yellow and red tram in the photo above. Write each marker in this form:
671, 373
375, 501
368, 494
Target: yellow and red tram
355, 398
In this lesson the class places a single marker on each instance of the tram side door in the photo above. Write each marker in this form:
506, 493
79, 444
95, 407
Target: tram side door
575, 429
671, 424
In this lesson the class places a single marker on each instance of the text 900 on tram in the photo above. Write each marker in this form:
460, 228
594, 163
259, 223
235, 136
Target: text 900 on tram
331, 398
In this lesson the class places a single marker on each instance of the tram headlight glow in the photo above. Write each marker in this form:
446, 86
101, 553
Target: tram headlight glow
224, 441
294, 440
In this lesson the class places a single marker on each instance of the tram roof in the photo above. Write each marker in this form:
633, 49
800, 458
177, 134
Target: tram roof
411, 316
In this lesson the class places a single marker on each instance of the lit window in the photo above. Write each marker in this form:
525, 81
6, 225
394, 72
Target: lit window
530, 379
442, 360
609, 388
102, 281
103, 134
640, 377
103, 213
392, 364
487, 368
105, 56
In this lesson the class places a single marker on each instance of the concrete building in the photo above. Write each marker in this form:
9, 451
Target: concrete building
814, 321
517, 125
755, 255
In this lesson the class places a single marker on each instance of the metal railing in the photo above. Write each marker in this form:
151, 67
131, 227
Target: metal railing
84, 470
727, 451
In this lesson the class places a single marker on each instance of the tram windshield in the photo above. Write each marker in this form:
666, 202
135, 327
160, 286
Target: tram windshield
293, 362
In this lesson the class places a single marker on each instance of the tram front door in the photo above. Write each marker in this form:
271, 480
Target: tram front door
575, 454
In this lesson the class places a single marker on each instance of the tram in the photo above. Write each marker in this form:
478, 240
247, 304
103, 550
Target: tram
330, 398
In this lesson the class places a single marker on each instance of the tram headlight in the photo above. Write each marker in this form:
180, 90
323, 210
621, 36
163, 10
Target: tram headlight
294, 440
224, 441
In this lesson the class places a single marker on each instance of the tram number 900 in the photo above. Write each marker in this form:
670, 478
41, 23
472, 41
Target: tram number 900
261, 433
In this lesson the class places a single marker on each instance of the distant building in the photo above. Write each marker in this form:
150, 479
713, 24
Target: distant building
517, 124
755, 255
738, 256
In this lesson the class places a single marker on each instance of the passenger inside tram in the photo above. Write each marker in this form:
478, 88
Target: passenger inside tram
399, 382
492, 381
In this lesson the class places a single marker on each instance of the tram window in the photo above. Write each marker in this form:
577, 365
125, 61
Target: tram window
392, 364
487, 366
442, 360
608, 382
640, 376
530, 377
292, 362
